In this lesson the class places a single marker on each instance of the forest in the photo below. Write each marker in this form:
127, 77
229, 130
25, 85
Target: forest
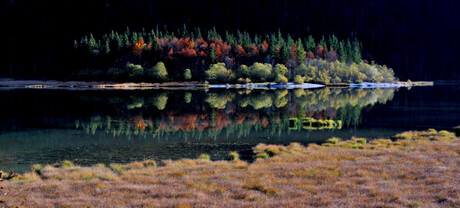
184, 55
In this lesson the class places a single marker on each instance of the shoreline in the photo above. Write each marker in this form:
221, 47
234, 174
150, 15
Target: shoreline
100, 85
413, 169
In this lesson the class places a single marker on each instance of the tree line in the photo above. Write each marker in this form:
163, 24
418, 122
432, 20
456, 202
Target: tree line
164, 55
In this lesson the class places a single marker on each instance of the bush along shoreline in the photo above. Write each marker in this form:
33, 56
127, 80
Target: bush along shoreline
413, 169
161, 55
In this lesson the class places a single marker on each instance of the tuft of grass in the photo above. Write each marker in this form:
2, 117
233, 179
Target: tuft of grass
262, 155
360, 140
149, 163
233, 156
414, 204
333, 140
432, 131
205, 157
38, 169
67, 164
444, 133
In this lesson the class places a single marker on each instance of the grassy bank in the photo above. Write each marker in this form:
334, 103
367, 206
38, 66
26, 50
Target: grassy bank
416, 169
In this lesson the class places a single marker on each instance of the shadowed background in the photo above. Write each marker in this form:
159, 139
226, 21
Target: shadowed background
417, 38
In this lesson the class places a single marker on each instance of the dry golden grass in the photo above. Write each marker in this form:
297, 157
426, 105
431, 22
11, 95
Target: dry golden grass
421, 169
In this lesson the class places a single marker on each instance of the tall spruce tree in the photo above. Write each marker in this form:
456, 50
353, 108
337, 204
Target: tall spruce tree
311, 45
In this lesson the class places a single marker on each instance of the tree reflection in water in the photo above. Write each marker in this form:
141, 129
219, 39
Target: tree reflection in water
198, 114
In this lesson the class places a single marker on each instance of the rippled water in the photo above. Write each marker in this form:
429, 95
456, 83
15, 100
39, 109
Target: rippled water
88, 127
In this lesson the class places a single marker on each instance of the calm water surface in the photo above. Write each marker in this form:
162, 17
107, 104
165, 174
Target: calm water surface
88, 127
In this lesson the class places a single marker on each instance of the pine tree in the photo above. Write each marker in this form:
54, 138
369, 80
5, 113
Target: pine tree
273, 53
290, 41
106, 47
350, 54
322, 42
334, 42
342, 52
213, 54
92, 43
198, 33
356, 51
311, 45
284, 54
300, 51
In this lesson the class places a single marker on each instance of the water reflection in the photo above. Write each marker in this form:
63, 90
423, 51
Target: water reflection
221, 114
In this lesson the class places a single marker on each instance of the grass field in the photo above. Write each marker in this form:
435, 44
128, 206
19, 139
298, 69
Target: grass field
417, 169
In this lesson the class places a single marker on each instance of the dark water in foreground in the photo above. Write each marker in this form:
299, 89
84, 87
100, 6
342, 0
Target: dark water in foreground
88, 127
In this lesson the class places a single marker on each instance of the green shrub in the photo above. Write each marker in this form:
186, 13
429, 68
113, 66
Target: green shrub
187, 74
158, 72
217, 73
261, 72
281, 79
233, 156
299, 79
280, 69
188, 97
205, 157
136, 72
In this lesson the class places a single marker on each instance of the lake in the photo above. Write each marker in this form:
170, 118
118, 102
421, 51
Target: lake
117, 126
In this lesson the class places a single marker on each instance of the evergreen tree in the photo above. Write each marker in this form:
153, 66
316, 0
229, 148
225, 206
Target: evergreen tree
350, 52
342, 52
273, 53
284, 54
290, 41
106, 48
356, 52
322, 42
334, 42
92, 43
213, 54
311, 45
300, 51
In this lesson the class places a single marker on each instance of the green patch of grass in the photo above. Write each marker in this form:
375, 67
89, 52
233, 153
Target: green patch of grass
205, 157
38, 169
444, 133
67, 164
432, 131
333, 140
414, 204
149, 163
233, 156
262, 155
